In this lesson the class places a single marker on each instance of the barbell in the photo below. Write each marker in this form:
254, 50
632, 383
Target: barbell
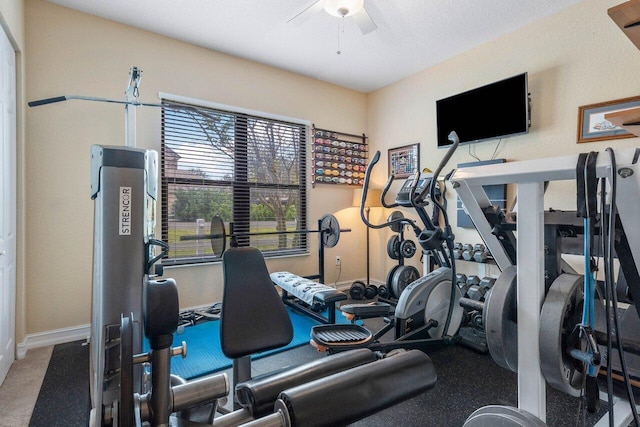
329, 233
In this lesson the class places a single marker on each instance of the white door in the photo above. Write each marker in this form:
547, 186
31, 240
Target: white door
7, 204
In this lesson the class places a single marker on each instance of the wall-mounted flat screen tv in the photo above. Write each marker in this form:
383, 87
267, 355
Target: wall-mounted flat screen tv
493, 111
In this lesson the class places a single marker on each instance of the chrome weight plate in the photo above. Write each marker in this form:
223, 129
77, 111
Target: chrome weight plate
561, 311
502, 416
500, 319
329, 230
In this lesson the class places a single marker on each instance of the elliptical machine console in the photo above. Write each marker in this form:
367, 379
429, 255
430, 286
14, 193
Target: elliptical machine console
413, 190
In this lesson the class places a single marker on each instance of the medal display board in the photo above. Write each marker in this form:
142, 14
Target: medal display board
338, 158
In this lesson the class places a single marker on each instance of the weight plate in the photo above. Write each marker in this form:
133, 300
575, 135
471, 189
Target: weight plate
390, 280
329, 230
126, 404
502, 416
500, 320
407, 248
219, 236
393, 247
561, 311
403, 277
397, 226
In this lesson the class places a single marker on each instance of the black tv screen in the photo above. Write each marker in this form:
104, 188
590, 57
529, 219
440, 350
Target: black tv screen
493, 111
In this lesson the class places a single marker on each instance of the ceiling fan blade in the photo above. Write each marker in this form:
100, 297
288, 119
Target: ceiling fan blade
364, 21
307, 13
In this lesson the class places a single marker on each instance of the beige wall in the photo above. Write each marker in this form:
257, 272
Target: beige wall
576, 57
74, 53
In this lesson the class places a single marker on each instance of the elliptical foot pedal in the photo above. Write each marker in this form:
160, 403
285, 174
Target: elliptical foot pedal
365, 311
325, 337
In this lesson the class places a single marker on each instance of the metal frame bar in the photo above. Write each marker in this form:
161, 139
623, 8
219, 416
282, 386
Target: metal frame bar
530, 175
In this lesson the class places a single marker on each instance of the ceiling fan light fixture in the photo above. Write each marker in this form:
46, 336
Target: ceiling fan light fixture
343, 8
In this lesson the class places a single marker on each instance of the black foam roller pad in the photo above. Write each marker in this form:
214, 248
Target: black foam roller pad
259, 394
349, 396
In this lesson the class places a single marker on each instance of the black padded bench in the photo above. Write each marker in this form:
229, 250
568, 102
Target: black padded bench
313, 295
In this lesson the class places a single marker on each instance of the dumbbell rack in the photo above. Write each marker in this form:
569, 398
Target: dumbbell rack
473, 253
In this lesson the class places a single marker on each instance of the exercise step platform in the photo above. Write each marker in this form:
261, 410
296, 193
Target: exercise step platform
325, 336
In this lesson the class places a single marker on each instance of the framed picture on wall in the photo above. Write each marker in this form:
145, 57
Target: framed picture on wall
404, 161
592, 125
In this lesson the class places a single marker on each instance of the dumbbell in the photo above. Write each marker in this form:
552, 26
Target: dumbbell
383, 291
467, 252
318, 307
487, 282
457, 250
468, 283
479, 253
478, 291
461, 280
473, 302
357, 290
371, 291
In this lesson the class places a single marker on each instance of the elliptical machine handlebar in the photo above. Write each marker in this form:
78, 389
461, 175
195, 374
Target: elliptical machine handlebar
419, 200
365, 188
384, 193
453, 137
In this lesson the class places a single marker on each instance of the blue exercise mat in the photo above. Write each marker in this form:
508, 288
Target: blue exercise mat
204, 353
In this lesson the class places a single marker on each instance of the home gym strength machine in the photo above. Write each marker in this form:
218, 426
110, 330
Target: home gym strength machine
427, 314
520, 292
124, 187
123, 252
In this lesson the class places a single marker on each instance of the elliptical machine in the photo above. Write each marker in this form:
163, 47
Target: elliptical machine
427, 314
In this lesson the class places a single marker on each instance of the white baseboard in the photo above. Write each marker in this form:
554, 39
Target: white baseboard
57, 336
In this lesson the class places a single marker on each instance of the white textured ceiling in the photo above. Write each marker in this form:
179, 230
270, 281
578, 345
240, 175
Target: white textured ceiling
412, 35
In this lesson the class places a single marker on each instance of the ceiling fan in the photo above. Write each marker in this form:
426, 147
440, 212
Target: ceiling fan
341, 9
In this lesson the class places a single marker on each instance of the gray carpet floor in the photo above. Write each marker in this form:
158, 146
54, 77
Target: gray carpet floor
466, 381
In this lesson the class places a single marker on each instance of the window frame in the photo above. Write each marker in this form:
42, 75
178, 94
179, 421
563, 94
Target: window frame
243, 186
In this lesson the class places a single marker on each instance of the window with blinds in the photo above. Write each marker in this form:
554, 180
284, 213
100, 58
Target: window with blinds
249, 171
